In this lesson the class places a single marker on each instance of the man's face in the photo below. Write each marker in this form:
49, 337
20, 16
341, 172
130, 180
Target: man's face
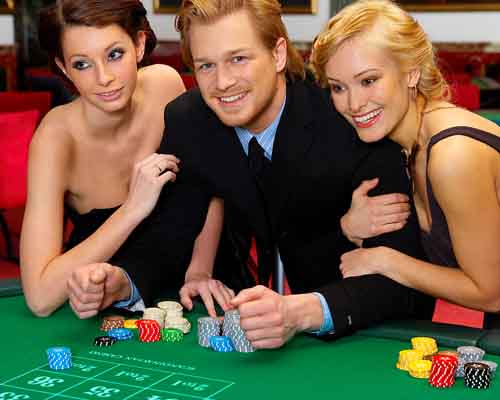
239, 78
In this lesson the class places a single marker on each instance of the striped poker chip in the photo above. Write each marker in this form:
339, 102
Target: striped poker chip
130, 323
406, 357
208, 327
156, 314
443, 371
420, 369
104, 341
467, 354
493, 366
172, 335
222, 344
426, 345
477, 375
59, 358
179, 323
121, 333
232, 328
112, 321
149, 330
169, 305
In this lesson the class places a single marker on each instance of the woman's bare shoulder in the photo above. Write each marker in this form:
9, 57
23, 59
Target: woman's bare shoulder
161, 81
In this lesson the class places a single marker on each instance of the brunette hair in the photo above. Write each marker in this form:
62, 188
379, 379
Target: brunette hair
390, 28
266, 16
130, 15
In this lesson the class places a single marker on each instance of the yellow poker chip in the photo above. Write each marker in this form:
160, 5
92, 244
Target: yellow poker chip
420, 369
130, 323
406, 357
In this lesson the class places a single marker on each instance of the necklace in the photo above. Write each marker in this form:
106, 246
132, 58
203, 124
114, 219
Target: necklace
438, 108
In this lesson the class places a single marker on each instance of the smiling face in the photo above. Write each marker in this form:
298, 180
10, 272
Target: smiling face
368, 88
102, 64
240, 79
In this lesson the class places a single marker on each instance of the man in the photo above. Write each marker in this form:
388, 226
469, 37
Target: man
251, 85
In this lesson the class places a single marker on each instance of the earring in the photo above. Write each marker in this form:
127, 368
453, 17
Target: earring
413, 92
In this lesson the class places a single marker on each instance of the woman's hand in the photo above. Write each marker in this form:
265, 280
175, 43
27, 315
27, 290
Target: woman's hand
208, 289
372, 216
364, 262
148, 178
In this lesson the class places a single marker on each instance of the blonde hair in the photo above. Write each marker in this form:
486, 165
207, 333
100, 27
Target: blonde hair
266, 15
391, 29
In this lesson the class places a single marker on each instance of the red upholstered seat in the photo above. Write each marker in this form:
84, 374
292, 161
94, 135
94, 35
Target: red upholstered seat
16, 131
466, 95
189, 81
23, 101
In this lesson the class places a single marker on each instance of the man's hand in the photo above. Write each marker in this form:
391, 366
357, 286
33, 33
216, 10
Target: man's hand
94, 287
372, 216
270, 320
208, 289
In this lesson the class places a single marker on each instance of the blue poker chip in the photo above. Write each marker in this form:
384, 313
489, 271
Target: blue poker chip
120, 333
59, 358
221, 344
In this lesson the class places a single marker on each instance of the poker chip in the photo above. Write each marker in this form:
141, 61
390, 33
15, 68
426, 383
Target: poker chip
208, 327
59, 358
171, 308
426, 345
155, 314
120, 333
232, 329
477, 375
130, 323
406, 357
149, 330
420, 369
172, 335
467, 354
112, 321
443, 370
178, 323
104, 341
493, 366
221, 344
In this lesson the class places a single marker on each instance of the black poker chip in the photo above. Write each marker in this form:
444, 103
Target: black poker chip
477, 375
104, 341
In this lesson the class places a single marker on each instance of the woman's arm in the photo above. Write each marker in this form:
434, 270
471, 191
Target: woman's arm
45, 268
198, 280
461, 171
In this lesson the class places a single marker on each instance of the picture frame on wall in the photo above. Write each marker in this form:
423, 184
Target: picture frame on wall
450, 5
289, 6
7, 7
166, 6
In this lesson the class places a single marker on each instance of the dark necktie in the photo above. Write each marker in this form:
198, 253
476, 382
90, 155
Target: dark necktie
257, 161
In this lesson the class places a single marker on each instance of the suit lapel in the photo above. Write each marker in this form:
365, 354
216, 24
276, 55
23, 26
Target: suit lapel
293, 141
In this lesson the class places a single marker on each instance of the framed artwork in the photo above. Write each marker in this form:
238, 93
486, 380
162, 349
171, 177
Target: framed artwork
450, 5
299, 6
7, 7
289, 6
166, 6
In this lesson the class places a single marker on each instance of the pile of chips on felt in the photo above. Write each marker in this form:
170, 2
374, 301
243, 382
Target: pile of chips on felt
441, 368
59, 358
223, 336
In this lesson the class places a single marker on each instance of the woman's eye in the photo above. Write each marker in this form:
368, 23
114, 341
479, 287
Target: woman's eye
336, 88
368, 81
115, 54
80, 65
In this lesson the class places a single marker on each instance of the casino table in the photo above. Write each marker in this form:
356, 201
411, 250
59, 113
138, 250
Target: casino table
361, 366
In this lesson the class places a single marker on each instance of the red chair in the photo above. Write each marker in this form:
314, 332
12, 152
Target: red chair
23, 101
465, 95
189, 81
16, 131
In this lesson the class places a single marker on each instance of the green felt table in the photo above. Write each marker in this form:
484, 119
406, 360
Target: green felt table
356, 367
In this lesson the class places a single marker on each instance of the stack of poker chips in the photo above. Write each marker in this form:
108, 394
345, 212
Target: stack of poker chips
222, 344
406, 357
104, 341
59, 358
420, 369
112, 321
443, 371
130, 323
467, 354
477, 375
426, 345
171, 308
493, 366
232, 329
172, 335
155, 314
208, 327
178, 323
120, 333
149, 330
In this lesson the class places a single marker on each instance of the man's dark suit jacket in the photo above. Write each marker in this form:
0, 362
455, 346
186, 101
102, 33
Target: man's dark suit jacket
317, 163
